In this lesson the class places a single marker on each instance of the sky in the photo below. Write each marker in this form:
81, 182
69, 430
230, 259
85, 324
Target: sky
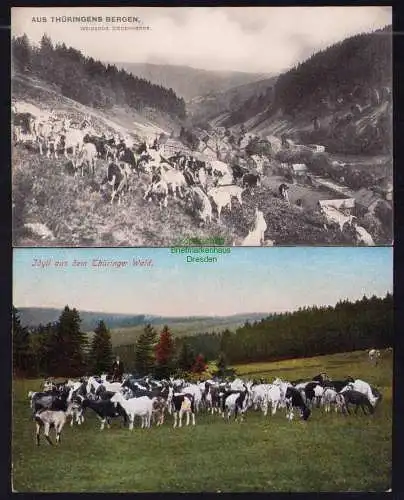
250, 39
244, 281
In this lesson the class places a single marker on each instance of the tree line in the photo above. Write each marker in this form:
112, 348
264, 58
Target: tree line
310, 331
356, 65
61, 349
89, 81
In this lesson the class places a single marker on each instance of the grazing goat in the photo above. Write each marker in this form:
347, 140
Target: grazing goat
159, 190
273, 398
338, 385
236, 403
51, 400
256, 236
77, 413
180, 404
328, 398
222, 197
142, 407
175, 179
159, 408
86, 157
105, 410
202, 203
49, 418
118, 179
212, 398
309, 392
363, 236
294, 399
364, 388
374, 356
357, 399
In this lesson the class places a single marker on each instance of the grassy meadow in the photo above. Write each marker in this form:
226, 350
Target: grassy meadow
129, 335
329, 452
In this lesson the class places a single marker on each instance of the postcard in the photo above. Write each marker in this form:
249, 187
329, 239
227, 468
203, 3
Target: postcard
225, 126
152, 370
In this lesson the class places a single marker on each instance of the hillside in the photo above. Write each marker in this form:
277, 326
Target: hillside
182, 328
117, 119
347, 109
204, 108
190, 82
89, 81
126, 327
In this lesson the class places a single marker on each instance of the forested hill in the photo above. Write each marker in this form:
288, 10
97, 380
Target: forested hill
190, 82
91, 82
313, 331
329, 81
34, 316
310, 331
354, 66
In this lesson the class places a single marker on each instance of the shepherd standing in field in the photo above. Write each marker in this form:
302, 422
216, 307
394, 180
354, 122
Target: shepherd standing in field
117, 370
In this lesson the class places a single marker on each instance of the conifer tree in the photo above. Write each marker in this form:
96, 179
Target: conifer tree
199, 366
221, 364
164, 352
67, 345
21, 344
101, 349
22, 53
144, 355
186, 357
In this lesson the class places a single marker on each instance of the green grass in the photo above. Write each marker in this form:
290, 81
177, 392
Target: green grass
129, 335
327, 453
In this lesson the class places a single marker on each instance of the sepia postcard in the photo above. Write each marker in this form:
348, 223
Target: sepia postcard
177, 370
224, 126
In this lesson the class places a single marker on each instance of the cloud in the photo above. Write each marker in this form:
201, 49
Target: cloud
252, 39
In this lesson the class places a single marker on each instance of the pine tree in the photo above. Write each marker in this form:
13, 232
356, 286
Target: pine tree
221, 364
101, 349
21, 344
46, 59
199, 366
67, 345
42, 342
186, 357
164, 352
22, 53
144, 355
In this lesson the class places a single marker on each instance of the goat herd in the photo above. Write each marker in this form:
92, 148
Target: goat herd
204, 185
149, 399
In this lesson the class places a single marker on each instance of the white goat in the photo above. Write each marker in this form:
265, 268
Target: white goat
328, 398
256, 236
205, 213
222, 196
142, 407
363, 236
273, 399
49, 418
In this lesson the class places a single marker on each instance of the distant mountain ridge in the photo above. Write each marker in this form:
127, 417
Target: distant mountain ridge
33, 316
223, 104
188, 82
